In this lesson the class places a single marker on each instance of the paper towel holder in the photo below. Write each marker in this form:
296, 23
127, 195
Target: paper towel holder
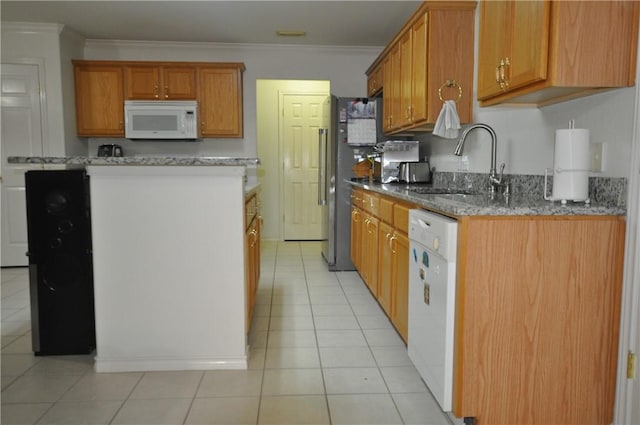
570, 166
551, 171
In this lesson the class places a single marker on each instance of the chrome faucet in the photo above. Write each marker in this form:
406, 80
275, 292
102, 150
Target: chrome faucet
495, 180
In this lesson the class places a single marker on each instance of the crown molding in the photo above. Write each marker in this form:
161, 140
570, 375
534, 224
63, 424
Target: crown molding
32, 28
229, 46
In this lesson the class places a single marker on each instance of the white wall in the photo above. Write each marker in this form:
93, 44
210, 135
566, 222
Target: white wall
268, 144
526, 135
71, 47
48, 45
343, 67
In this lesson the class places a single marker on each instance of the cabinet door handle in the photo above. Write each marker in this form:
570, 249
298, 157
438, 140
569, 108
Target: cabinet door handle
393, 238
501, 73
506, 72
254, 233
369, 228
155, 89
166, 92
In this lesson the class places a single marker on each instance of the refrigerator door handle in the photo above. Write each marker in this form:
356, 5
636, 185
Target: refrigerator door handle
322, 166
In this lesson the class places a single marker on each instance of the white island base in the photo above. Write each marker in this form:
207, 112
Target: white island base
168, 260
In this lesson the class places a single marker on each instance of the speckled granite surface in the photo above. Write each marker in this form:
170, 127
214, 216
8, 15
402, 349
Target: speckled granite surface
604, 190
526, 198
132, 160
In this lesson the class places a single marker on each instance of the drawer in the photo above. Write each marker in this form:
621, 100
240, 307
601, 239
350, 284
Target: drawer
371, 203
356, 197
250, 209
401, 217
386, 210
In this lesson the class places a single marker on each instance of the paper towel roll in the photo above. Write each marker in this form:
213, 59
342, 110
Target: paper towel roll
572, 149
571, 164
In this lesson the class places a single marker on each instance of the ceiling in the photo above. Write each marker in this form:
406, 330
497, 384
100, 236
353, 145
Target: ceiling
328, 23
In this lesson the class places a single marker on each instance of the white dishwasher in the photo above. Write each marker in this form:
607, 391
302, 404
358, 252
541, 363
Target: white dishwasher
432, 288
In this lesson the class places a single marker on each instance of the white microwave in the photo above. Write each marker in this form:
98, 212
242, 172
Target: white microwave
157, 120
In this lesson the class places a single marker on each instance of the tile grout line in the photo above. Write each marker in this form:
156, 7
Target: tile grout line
266, 343
374, 357
315, 333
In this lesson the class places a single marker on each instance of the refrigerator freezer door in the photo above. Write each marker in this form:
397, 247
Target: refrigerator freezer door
340, 162
328, 230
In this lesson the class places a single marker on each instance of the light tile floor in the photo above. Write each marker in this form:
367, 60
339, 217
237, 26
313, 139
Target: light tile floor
322, 352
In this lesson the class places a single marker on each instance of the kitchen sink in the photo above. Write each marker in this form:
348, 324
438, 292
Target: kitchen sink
441, 191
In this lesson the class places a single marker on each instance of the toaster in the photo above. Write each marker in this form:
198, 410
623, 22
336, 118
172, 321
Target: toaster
110, 150
414, 172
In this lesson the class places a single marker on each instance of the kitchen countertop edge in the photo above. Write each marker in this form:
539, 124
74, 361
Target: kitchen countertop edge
134, 160
482, 205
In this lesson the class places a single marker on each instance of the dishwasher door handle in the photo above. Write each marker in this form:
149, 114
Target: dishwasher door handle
424, 224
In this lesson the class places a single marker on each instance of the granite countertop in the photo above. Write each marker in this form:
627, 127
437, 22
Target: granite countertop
482, 204
133, 160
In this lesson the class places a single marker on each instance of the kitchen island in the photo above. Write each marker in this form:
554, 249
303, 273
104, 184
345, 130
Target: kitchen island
169, 261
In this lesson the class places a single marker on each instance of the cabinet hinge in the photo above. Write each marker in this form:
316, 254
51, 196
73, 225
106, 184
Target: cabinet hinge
631, 365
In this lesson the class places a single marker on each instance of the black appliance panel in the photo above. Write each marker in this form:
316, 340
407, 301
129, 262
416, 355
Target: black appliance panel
60, 262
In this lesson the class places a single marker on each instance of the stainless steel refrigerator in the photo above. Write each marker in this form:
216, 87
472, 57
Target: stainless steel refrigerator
348, 139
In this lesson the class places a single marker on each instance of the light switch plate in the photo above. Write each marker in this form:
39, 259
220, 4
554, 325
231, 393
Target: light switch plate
597, 157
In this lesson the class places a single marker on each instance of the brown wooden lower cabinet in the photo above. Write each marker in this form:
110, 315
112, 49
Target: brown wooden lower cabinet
385, 232
380, 252
537, 311
356, 238
400, 283
369, 266
251, 255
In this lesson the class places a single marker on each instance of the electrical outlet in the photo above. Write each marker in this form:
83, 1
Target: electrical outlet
597, 157
631, 365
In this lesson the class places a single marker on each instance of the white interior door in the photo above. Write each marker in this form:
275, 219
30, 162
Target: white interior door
303, 116
21, 136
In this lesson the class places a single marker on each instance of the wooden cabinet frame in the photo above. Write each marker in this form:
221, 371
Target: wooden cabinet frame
220, 100
102, 86
160, 81
538, 303
99, 99
380, 252
429, 61
537, 319
541, 53
253, 224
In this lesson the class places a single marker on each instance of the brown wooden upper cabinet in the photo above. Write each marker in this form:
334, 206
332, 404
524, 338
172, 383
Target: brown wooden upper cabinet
220, 100
429, 61
101, 88
544, 52
374, 81
391, 99
160, 82
99, 99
